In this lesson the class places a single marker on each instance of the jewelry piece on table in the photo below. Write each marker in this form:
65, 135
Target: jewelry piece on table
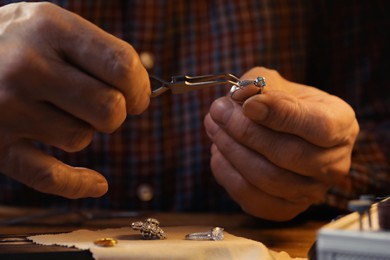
216, 234
149, 229
106, 242
258, 82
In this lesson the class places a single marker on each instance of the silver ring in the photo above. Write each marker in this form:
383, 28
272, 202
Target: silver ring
258, 82
149, 229
216, 234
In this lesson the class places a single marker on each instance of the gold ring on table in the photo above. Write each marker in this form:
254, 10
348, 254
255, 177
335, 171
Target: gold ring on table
106, 242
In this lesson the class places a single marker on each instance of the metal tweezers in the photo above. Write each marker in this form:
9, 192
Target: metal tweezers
182, 84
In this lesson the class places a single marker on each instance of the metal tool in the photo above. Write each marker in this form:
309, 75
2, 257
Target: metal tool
183, 84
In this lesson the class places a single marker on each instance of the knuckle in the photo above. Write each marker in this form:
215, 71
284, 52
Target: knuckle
46, 180
347, 136
223, 142
337, 132
49, 20
112, 112
78, 139
284, 120
50, 180
333, 170
246, 131
13, 64
238, 191
123, 63
42, 7
354, 132
42, 16
274, 148
330, 131
122, 60
138, 102
298, 157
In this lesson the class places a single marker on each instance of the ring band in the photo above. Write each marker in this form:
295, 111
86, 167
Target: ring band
216, 234
259, 82
106, 242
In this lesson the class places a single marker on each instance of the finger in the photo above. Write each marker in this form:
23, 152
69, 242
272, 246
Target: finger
310, 113
285, 150
98, 53
251, 199
44, 123
241, 94
51, 126
271, 77
65, 86
264, 175
44, 173
315, 122
82, 96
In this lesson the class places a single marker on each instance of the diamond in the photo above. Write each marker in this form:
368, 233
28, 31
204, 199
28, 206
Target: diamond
217, 233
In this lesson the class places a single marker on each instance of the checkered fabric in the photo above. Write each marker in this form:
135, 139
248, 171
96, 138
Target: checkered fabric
339, 46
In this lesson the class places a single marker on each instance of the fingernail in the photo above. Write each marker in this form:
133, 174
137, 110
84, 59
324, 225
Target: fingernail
255, 109
221, 110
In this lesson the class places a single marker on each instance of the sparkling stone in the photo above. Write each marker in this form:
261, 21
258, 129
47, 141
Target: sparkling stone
217, 233
260, 82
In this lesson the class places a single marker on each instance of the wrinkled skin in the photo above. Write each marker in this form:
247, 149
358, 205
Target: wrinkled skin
61, 80
278, 153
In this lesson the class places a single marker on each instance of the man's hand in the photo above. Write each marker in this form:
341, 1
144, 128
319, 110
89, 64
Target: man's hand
281, 151
61, 80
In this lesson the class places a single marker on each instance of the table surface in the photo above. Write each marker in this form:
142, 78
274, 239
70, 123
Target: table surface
295, 237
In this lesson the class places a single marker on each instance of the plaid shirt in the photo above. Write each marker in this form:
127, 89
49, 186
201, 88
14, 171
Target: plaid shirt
338, 46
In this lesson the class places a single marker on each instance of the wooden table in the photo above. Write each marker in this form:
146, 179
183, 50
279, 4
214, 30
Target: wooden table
295, 237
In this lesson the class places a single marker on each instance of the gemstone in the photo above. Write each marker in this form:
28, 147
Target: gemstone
217, 233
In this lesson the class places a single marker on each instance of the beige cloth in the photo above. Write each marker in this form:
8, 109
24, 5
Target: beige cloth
132, 246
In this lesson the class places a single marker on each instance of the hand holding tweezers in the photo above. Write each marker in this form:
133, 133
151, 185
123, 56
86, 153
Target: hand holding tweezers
183, 84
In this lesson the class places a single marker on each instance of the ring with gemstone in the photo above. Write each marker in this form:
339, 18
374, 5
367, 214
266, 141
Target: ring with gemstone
216, 234
259, 82
149, 229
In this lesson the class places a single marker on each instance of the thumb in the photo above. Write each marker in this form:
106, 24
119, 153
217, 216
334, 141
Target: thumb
314, 115
26, 164
270, 77
325, 124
